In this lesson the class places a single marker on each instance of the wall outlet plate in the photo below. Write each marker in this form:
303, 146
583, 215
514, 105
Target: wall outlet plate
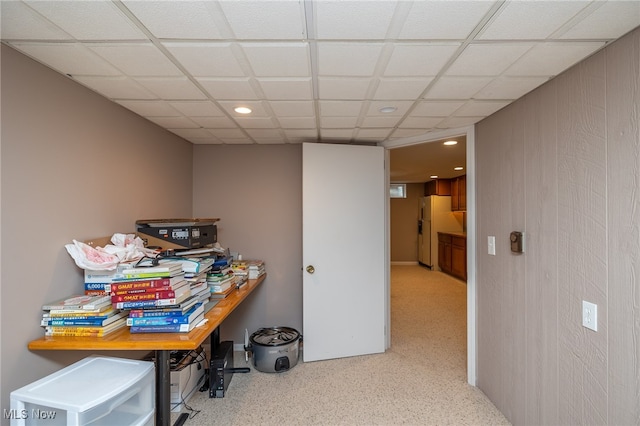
590, 315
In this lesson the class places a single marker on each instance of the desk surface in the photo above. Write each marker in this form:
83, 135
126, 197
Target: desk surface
123, 340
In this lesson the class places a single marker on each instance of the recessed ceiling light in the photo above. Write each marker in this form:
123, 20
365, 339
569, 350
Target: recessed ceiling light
458, 168
242, 110
387, 109
451, 143
434, 176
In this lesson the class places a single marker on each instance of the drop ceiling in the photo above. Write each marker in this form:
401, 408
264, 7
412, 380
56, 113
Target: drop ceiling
312, 70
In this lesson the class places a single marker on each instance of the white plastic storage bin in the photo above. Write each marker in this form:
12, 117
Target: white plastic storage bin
96, 391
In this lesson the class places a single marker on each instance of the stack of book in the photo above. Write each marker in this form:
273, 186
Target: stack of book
221, 284
255, 269
82, 315
160, 292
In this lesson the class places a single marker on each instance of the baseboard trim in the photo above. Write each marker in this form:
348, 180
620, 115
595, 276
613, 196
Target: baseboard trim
409, 263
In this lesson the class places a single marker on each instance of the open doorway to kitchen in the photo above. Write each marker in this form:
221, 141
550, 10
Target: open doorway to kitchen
413, 161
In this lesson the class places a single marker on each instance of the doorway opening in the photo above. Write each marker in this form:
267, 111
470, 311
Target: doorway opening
468, 134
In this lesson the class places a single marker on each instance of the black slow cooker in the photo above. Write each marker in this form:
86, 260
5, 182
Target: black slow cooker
274, 349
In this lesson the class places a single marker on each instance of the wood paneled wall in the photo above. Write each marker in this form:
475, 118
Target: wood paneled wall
562, 165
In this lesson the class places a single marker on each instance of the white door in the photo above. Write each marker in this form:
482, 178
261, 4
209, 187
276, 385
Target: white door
344, 268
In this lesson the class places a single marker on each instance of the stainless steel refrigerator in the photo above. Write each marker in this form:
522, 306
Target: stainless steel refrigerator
435, 216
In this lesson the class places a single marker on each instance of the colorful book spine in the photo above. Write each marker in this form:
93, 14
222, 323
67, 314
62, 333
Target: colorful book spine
167, 328
156, 295
73, 322
136, 304
135, 285
150, 313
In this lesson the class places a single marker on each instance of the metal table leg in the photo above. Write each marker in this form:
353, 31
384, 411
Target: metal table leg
163, 388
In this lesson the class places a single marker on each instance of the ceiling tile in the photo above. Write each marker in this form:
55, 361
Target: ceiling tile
174, 122
226, 88
420, 122
297, 122
487, 59
436, 108
456, 87
266, 19
401, 88
444, 20
343, 88
255, 122
211, 140
198, 108
454, 122
609, 21
402, 108
214, 122
377, 122
338, 122
136, 59
278, 59
510, 87
348, 59
549, 59
207, 59
76, 18
257, 108
227, 134
286, 89
293, 108
172, 88
343, 134
299, 135
191, 133
20, 22
380, 134
244, 141
265, 134
116, 87
68, 58
181, 19
474, 108
151, 108
518, 20
350, 20
419, 59
407, 133
339, 108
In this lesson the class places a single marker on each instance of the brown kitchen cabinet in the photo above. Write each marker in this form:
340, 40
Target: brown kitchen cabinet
459, 193
437, 187
452, 254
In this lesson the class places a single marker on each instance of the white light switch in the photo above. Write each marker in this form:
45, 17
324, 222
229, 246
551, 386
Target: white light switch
590, 315
491, 245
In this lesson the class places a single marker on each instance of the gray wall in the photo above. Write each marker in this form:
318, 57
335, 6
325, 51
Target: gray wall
563, 165
256, 191
74, 166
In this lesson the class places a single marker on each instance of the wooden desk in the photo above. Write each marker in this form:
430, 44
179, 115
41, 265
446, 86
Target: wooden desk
161, 343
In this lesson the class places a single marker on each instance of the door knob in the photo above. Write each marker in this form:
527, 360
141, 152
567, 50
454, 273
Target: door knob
311, 269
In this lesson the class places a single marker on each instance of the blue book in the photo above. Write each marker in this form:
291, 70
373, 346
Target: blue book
187, 318
99, 321
166, 328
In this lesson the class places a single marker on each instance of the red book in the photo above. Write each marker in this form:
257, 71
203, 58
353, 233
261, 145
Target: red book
167, 294
142, 284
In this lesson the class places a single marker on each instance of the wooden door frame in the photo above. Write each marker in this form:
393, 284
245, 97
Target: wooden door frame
469, 132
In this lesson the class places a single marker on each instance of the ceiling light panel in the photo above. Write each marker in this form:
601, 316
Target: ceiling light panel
76, 18
20, 22
136, 59
257, 107
348, 59
443, 20
207, 59
419, 60
199, 20
519, 20
349, 20
401, 108
278, 59
276, 20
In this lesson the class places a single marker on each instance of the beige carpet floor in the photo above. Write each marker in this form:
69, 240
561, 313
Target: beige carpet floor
420, 380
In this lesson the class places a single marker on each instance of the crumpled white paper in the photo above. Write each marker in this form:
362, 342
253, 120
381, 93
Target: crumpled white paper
125, 248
